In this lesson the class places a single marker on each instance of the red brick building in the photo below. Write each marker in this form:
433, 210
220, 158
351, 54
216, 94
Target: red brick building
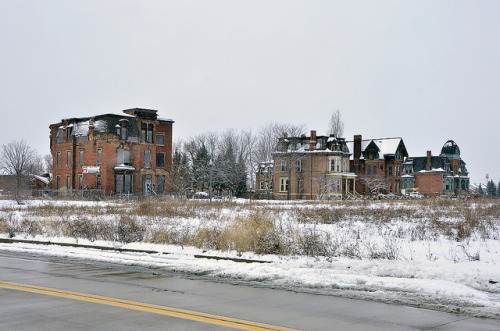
443, 174
129, 153
378, 163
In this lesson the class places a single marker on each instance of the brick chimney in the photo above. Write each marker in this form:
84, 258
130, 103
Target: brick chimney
91, 127
312, 142
357, 146
429, 155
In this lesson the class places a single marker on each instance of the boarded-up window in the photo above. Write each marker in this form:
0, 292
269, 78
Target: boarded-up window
123, 183
122, 156
160, 184
59, 136
150, 133
81, 157
124, 133
99, 156
119, 184
128, 183
159, 139
147, 159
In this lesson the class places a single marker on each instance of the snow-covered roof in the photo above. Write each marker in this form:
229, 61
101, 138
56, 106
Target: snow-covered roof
386, 146
44, 180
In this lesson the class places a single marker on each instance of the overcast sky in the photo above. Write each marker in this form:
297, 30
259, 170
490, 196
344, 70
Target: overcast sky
426, 71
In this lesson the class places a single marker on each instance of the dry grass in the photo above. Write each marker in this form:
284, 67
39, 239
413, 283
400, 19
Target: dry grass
271, 228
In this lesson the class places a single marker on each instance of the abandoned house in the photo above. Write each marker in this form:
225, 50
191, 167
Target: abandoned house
378, 164
129, 153
315, 168
445, 174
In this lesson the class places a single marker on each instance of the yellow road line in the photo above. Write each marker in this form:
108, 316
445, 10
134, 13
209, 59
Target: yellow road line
170, 311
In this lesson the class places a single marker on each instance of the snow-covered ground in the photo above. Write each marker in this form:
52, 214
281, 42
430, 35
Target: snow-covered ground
438, 273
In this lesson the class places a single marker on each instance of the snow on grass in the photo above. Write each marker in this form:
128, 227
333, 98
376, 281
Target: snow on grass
429, 255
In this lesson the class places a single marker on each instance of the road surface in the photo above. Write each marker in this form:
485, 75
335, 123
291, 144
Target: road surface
45, 293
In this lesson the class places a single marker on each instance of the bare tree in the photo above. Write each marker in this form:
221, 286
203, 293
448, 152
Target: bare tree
336, 125
374, 183
48, 162
18, 159
268, 138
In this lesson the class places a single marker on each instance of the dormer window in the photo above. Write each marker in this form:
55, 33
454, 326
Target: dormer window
123, 129
60, 135
69, 131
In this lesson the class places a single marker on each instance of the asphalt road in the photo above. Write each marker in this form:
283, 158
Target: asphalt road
44, 293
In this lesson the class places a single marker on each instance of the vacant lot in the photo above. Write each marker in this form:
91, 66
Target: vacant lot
452, 229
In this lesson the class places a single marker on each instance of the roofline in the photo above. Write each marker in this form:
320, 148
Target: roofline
375, 139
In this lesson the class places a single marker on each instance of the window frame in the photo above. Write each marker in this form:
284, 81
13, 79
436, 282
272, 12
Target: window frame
99, 156
284, 184
162, 135
163, 160
147, 158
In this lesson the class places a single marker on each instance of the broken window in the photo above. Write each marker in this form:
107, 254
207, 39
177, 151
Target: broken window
160, 160
81, 157
69, 130
99, 156
147, 133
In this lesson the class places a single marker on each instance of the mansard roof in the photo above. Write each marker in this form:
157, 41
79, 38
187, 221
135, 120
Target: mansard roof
108, 123
420, 163
322, 144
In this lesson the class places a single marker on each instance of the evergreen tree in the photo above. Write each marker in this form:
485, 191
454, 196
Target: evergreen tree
241, 176
180, 175
480, 190
491, 189
498, 189
200, 168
